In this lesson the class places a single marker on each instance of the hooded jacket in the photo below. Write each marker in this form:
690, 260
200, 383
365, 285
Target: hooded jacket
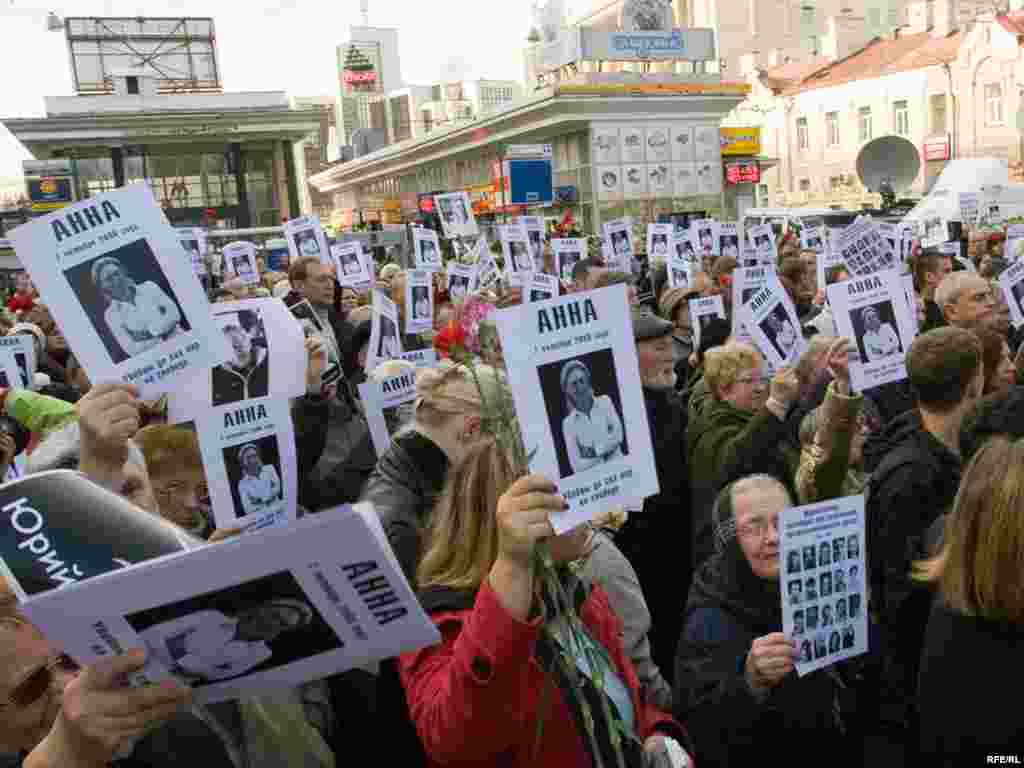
914, 479
231, 385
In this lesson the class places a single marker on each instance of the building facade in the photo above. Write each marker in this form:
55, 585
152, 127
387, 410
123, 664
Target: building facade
320, 148
950, 88
368, 65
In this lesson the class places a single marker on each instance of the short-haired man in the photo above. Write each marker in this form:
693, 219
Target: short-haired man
930, 269
581, 273
912, 485
966, 301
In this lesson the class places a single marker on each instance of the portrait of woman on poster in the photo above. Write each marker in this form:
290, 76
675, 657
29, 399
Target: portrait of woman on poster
260, 485
139, 315
592, 430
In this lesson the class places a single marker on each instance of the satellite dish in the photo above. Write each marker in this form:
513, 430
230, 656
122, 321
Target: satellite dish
888, 160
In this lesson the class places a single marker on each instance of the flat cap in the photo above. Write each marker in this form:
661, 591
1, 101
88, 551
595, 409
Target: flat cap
647, 325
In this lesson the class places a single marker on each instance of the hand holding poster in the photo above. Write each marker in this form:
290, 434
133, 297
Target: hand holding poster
457, 219
385, 343
267, 612
577, 385
193, 240
388, 405
460, 278
771, 319
1012, 283
306, 237
426, 249
419, 301
702, 312
240, 262
568, 252
659, 239
543, 287
874, 313
267, 359
111, 272
821, 568
745, 283
515, 247
863, 248
704, 236
350, 265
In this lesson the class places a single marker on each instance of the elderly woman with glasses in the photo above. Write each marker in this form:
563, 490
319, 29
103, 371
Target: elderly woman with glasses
54, 714
735, 684
742, 430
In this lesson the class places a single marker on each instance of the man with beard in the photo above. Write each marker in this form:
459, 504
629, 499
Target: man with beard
661, 532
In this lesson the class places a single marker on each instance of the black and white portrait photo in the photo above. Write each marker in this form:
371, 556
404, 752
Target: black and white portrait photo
306, 242
838, 550
679, 278
826, 615
798, 622
243, 629
839, 580
854, 602
824, 553
388, 347
810, 561
840, 610
820, 645
706, 238
730, 246
684, 249
535, 238
1017, 289
428, 253
247, 373
780, 331
519, 252
795, 589
254, 473
420, 302
833, 642
22, 380
128, 300
762, 241
826, 584
812, 617
350, 262
806, 654
876, 330
458, 286
538, 294
811, 589
853, 583
584, 409
852, 546
659, 245
849, 637
793, 562
567, 261
620, 243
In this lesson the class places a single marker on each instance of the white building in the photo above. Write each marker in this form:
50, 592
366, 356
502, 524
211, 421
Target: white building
380, 71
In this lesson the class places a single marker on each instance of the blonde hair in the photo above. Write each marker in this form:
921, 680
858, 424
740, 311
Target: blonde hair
168, 449
450, 389
391, 368
460, 544
978, 570
723, 365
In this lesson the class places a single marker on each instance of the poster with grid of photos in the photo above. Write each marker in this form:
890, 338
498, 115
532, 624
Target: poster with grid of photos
822, 578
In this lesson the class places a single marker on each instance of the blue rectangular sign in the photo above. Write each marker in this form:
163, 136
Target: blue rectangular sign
531, 182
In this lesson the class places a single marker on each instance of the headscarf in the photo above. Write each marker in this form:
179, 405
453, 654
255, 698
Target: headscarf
725, 581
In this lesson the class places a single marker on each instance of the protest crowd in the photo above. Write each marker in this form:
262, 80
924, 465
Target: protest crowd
668, 610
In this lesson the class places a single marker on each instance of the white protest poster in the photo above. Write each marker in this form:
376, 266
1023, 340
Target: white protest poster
306, 237
892, 237
17, 361
771, 320
460, 278
874, 313
111, 272
576, 385
863, 249
680, 270
704, 236
682, 248
240, 262
659, 239
1014, 249
827, 262
268, 359
729, 240
426, 249
248, 451
745, 283
457, 219
762, 239
385, 343
823, 578
813, 239
314, 599
421, 358
534, 226
568, 252
750, 258
908, 239
702, 312
313, 326
383, 402
419, 301
193, 240
487, 270
351, 267
543, 287
1012, 283
618, 233
968, 208
515, 248
911, 294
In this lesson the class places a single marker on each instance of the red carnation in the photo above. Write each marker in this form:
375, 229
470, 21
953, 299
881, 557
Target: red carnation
451, 341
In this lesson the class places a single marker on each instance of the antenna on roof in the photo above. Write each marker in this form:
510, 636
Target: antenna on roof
364, 12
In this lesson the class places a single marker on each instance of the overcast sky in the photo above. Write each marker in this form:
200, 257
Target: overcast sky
265, 44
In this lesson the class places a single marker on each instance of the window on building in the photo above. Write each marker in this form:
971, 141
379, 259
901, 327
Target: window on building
901, 118
832, 128
864, 123
805, 185
132, 82
803, 140
994, 104
937, 107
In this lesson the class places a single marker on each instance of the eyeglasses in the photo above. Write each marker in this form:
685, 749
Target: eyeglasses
756, 380
36, 682
176, 490
756, 529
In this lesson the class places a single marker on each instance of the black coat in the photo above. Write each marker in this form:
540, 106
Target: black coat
969, 689
232, 386
911, 485
403, 488
661, 533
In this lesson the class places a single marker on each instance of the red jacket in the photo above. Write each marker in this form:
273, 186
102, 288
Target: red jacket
474, 697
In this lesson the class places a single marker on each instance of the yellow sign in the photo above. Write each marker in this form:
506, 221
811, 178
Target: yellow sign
740, 141
392, 204
652, 89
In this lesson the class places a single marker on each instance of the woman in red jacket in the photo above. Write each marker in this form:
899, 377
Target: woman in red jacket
476, 698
